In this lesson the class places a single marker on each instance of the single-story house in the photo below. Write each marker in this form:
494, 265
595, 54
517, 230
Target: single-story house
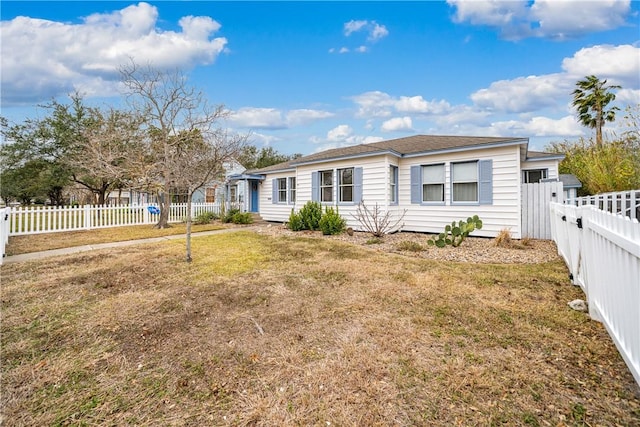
432, 180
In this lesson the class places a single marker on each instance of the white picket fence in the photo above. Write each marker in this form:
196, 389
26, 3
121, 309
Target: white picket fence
51, 219
5, 214
602, 252
625, 203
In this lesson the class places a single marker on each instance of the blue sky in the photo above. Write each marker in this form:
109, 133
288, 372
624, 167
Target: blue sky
307, 76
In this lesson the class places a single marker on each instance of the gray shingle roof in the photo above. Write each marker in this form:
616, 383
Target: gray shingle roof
570, 181
408, 146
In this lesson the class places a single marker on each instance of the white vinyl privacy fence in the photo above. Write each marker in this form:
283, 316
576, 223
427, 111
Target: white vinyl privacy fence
50, 219
602, 252
535, 216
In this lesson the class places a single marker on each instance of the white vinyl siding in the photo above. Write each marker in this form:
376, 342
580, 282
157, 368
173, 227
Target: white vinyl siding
550, 165
503, 211
270, 210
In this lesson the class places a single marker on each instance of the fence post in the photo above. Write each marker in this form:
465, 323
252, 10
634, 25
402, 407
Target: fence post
87, 217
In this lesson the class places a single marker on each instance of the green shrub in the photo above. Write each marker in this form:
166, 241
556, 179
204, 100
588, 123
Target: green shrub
374, 241
455, 233
228, 216
331, 222
295, 222
205, 218
242, 218
310, 215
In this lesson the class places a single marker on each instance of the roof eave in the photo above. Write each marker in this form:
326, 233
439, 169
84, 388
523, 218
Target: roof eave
468, 148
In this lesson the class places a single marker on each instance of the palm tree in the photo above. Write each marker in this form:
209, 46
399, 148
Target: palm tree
590, 99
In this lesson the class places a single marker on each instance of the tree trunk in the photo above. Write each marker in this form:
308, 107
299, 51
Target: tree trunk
164, 202
189, 196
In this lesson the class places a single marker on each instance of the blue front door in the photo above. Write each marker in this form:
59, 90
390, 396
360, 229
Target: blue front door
254, 196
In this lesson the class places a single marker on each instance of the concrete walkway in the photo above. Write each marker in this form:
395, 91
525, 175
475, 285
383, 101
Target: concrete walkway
77, 249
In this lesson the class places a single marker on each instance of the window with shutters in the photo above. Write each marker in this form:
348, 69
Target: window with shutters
393, 184
282, 190
292, 189
433, 183
326, 186
464, 179
345, 185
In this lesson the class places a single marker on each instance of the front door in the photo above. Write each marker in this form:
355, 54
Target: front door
254, 196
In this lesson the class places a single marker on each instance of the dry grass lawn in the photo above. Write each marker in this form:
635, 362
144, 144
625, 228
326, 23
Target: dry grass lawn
279, 331
48, 241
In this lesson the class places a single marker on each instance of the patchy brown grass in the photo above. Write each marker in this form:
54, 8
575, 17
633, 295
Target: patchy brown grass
48, 241
266, 331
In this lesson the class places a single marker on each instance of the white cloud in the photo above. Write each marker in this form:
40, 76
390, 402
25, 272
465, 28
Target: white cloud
43, 59
339, 133
353, 26
397, 124
273, 118
306, 116
522, 94
562, 19
377, 32
619, 63
538, 126
516, 19
342, 136
380, 104
373, 31
628, 96
258, 118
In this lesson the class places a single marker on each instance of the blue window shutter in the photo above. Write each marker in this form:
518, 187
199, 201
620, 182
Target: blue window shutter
357, 185
416, 184
274, 191
485, 178
315, 190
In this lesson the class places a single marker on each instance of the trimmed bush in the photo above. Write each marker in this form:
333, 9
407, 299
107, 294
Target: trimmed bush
205, 218
310, 215
295, 222
331, 222
228, 216
242, 218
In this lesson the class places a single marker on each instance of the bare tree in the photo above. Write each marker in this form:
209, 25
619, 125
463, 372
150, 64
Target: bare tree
198, 161
376, 222
173, 112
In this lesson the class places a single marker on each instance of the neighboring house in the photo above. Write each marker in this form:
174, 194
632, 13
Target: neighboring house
433, 180
218, 190
570, 184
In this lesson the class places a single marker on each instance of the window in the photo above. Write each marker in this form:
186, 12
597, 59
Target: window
292, 190
433, 183
233, 193
464, 177
345, 185
533, 176
326, 186
282, 190
393, 184
210, 194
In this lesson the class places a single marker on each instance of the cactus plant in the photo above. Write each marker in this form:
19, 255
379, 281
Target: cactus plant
456, 232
